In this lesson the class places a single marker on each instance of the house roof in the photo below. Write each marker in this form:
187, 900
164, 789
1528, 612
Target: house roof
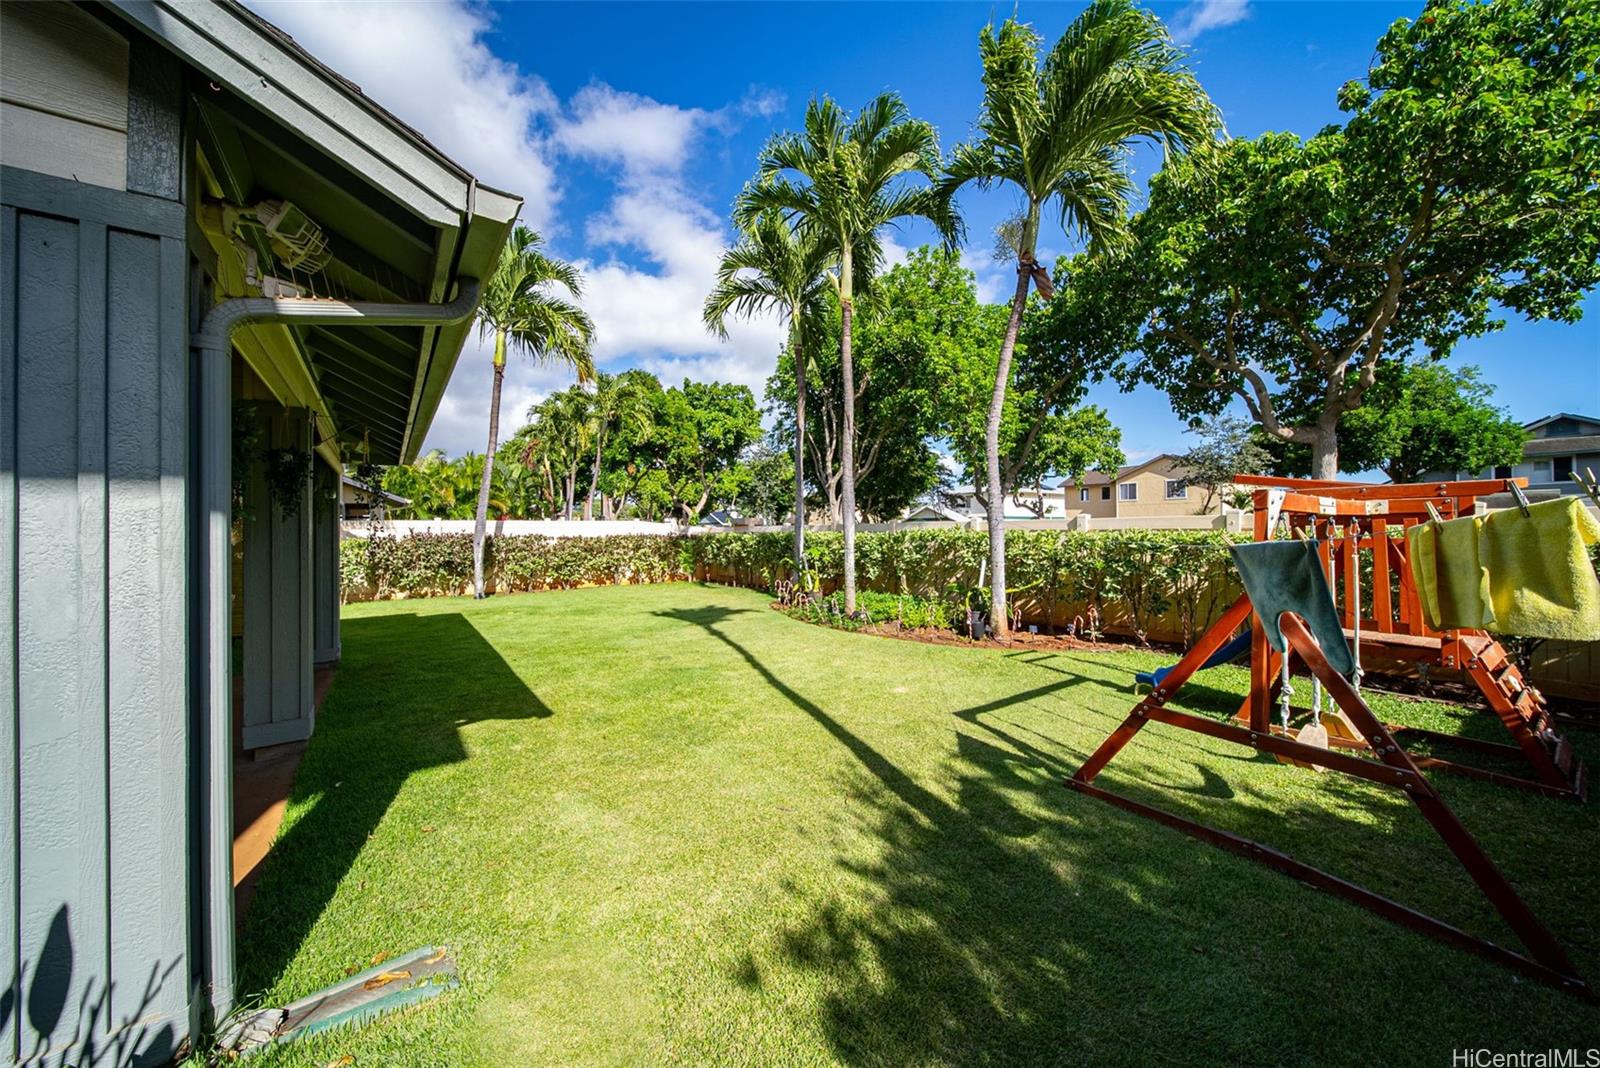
935, 512
361, 487
1546, 420
1562, 446
1101, 478
403, 222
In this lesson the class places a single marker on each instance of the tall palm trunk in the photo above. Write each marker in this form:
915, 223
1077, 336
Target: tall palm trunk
799, 454
594, 481
847, 448
999, 617
488, 463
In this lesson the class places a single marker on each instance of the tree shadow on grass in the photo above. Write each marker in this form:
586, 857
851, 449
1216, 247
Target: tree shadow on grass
1000, 919
407, 684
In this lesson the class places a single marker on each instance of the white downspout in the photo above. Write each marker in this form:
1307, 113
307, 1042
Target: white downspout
212, 651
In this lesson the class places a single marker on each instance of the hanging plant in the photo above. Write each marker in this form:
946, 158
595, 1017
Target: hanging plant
286, 471
246, 450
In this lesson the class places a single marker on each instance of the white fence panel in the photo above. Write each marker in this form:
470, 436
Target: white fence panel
549, 528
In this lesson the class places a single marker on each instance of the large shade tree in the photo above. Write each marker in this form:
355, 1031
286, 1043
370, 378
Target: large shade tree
772, 269
1059, 134
841, 181
1284, 272
523, 311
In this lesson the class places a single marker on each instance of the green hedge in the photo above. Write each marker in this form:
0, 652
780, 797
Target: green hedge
428, 565
1141, 582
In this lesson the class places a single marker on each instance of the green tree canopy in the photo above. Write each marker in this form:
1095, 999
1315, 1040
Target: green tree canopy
1284, 272
1420, 416
1228, 446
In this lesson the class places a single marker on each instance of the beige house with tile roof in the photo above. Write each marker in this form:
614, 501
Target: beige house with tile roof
1152, 488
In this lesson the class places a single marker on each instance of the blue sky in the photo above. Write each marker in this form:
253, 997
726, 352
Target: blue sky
630, 127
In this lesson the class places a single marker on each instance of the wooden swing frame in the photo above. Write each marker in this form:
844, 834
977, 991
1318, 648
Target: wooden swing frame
1382, 759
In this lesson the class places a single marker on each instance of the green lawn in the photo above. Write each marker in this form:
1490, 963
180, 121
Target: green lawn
666, 825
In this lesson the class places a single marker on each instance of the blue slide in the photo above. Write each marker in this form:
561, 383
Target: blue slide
1234, 648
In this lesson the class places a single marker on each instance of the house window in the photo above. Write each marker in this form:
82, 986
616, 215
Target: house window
1177, 489
1128, 491
1502, 471
1083, 494
1561, 468
1105, 493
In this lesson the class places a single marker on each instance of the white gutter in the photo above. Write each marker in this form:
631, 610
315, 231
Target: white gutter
211, 656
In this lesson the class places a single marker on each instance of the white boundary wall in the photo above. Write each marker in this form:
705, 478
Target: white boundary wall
550, 528
560, 528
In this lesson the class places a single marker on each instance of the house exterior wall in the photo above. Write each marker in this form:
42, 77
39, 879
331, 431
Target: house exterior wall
1565, 443
1152, 499
64, 95
94, 401
1097, 505
278, 612
325, 519
93, 715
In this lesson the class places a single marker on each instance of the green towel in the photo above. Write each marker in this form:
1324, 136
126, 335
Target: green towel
1287, 576
1452, 584
1541, 581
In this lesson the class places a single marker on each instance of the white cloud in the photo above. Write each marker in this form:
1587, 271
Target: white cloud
996, 282
462, 422
1202, 15
611, 126
428, 64
653, 250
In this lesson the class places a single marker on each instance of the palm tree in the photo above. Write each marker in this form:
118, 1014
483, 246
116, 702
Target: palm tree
562, 426
1062, 133
774, 269
850, 187
617, 400
522, 313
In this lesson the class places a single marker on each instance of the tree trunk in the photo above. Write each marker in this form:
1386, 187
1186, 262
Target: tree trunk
999, 616
799, 455
594, 482
488, 464
1325, 449
847, 447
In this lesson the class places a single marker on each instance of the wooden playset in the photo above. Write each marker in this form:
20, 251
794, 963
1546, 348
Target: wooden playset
1375, 614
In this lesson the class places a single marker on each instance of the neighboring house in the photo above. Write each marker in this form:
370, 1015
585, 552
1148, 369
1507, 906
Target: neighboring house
355, 500
934, 513
1558, 445
1155, 487
162, 162
1032, 503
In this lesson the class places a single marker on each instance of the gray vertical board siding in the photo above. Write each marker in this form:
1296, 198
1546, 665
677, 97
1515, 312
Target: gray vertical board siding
10, 877
146, 829
256, 585
277, 596
325, 566
93, 810
52, 737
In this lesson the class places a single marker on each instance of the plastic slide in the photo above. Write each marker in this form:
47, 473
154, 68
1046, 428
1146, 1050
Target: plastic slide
1235, 647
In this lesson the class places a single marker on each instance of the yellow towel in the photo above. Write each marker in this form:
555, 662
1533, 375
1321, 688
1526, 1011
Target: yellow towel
1452, 583
1541, 581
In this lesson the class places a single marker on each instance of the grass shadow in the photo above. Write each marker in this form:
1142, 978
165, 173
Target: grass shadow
1010, 921
364, 749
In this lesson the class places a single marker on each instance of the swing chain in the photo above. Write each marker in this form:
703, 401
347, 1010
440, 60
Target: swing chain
1285, 693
